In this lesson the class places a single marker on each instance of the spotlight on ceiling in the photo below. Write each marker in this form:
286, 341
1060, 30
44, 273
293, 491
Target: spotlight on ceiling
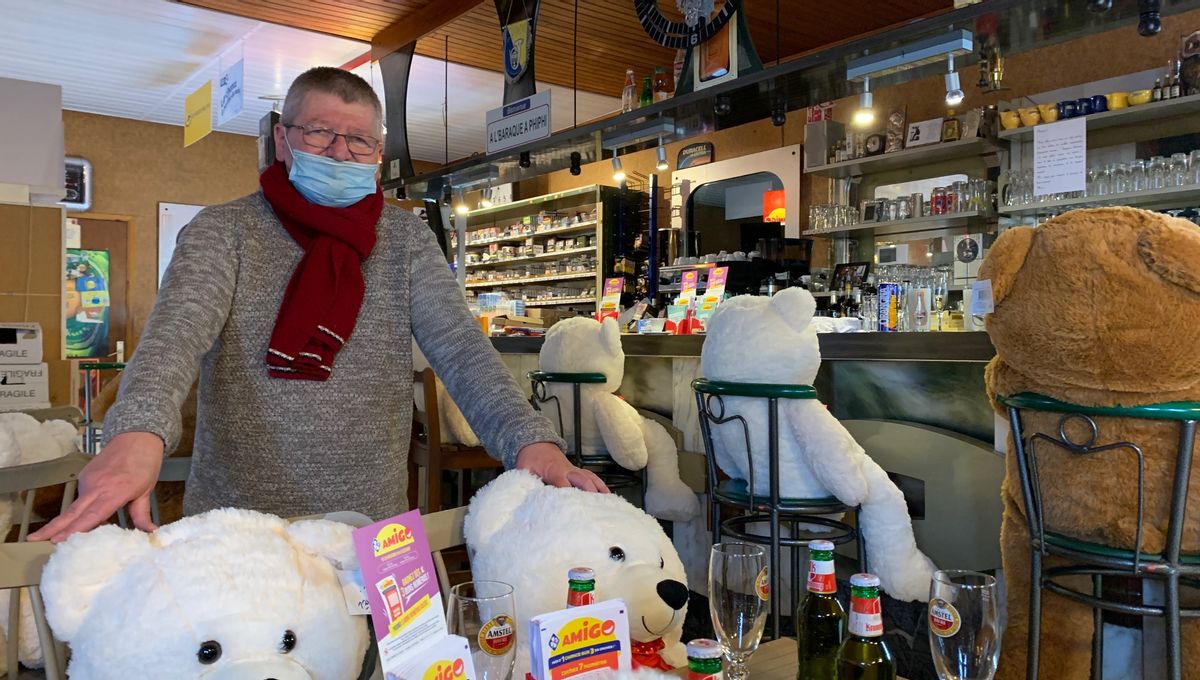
865, 115
662, 165
778, 114
618, 171
722, 105
954, 93
525, 161
460, 203
576, 161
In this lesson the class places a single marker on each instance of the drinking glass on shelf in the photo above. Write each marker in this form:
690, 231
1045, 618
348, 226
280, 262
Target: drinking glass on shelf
1120, 178
964, 628
484, 613
1177, 171
941, 290
1138, 179
739, 595
1157, 173
1194, 167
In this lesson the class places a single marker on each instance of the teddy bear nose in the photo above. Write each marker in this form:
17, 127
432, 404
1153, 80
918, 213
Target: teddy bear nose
674, 593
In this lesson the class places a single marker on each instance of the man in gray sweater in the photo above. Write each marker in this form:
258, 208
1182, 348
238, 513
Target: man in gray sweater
296, 305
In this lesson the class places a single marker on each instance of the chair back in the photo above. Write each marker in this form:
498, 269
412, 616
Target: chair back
429, 418
540, 393
1079, 432
711, 407
21, 566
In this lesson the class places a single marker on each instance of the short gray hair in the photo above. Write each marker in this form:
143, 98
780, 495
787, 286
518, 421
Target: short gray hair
349, 87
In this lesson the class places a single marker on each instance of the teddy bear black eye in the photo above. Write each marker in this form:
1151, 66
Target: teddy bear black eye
616, 554
209, 652
288, 643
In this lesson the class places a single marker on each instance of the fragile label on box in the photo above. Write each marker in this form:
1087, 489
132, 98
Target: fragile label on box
402, 588
24, 386
20, 343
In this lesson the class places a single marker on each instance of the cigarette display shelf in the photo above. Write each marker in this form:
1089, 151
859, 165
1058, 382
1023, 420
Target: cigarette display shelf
503, 283
552, 255
589, 225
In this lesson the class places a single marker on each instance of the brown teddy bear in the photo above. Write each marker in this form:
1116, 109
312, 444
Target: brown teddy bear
1099, 308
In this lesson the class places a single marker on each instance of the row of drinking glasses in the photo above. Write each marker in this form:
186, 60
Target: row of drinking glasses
1159, 172
827, 216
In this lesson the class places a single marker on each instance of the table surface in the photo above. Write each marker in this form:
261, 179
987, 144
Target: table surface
774, 660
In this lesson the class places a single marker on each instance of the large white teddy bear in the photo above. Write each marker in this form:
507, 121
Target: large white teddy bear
755, 339
227, 594
610, 425
529, 535
24, 441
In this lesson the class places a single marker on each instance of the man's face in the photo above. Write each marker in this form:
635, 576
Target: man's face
329, 112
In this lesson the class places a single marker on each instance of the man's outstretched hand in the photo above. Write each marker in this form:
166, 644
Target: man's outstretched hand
549, 462
124, 473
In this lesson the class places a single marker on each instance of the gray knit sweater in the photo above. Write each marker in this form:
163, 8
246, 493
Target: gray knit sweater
298, 447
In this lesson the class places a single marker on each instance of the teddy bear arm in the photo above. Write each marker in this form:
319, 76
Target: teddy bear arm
620, 427
833, 455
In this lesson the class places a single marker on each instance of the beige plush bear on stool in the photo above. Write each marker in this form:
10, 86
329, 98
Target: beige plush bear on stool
1096, 308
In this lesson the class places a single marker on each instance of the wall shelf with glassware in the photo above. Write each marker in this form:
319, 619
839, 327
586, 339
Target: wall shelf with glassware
552, 255
502, 283
1130, 115
913, 224
1150, 199
921, 155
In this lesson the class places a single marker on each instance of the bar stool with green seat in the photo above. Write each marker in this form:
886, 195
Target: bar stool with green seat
1171, 566
615, 476
773, 509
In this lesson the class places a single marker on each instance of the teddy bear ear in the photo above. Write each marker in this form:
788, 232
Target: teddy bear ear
80, 569
1005, 259
610, 333
1170, 247
796, 305
494, 505
332, 541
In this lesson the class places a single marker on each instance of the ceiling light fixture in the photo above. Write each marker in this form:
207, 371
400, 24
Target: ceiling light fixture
485, 198
865, 115
576, 161
618, 171
662, 165
460, 205
525, 161
954, 93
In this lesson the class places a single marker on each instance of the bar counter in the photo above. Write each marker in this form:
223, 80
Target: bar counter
973, 347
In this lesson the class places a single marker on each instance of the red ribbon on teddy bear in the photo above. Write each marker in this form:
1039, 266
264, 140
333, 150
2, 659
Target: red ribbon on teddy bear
648, 655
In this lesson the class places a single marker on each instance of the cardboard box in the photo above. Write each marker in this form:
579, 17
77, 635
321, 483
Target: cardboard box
24, 387
20, 343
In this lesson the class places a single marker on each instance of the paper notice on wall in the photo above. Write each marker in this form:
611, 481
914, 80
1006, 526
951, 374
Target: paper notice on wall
1060, 157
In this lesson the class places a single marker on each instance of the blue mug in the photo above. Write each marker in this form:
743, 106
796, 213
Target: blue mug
1099, 103
1084, 104
1068, 109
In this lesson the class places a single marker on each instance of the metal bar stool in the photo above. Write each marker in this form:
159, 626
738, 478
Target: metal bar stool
1091, 559
739, 493
615, 476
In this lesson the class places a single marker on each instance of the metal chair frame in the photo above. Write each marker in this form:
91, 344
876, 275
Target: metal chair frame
615, 476
710, 405
1097, 562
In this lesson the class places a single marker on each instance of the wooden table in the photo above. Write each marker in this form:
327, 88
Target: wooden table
774, 660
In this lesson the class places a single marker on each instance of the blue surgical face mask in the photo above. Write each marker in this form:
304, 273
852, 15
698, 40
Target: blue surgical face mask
325, 181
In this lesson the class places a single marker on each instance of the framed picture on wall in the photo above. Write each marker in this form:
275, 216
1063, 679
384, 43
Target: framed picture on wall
852, 273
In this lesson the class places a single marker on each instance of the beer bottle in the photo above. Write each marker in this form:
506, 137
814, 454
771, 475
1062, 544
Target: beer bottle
864, 656
704, 660
581, 586
820, 619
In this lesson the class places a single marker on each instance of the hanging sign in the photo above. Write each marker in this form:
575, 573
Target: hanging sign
519, 123
517, 43
518, 31
197, 114
230, 93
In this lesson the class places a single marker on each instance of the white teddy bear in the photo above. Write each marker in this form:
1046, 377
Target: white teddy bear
529, 535
24, 441
610, 425
755, 339
222, 595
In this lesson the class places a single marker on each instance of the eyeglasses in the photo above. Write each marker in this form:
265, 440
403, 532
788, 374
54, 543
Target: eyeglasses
323, 138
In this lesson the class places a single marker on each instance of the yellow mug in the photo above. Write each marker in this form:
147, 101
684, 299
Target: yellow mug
1010, 120
1048, 112
1117, 100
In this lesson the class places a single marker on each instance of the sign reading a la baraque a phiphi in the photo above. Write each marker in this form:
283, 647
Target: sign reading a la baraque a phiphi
518, 123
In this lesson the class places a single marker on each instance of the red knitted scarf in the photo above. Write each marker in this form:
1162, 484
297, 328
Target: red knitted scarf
321, 303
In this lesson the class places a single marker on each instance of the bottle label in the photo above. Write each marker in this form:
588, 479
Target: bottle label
496, 636
694, 675
762, 585
821, 579
944, 619
577, 598
866, 617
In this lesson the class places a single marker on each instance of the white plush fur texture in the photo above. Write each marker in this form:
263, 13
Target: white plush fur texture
23, 441
755, 339
454, 425
529, 535
608, 424
132, 604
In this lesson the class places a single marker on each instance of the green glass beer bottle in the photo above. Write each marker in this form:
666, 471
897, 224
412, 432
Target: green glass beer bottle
820, 619
864, 656
581, 586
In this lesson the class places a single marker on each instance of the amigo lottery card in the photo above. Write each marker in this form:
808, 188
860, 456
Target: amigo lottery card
580, 642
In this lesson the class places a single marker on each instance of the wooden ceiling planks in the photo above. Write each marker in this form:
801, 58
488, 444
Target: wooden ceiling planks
610, 38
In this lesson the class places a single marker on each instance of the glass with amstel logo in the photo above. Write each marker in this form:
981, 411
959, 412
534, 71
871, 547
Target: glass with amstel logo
484, 613
964, 628
739, 593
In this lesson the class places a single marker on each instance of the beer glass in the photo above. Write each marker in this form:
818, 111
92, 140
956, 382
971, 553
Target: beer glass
484, 613
964, 631
739, 594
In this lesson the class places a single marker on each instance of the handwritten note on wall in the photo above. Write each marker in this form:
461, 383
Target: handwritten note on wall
1060, 157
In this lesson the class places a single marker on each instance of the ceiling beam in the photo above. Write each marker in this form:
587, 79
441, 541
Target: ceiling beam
404, 31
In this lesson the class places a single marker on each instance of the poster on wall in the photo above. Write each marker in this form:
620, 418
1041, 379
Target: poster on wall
87, 303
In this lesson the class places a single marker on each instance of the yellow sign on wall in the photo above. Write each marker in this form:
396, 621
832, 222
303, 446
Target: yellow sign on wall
197, 114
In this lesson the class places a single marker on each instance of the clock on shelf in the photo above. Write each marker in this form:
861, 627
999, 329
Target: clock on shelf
698, 26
